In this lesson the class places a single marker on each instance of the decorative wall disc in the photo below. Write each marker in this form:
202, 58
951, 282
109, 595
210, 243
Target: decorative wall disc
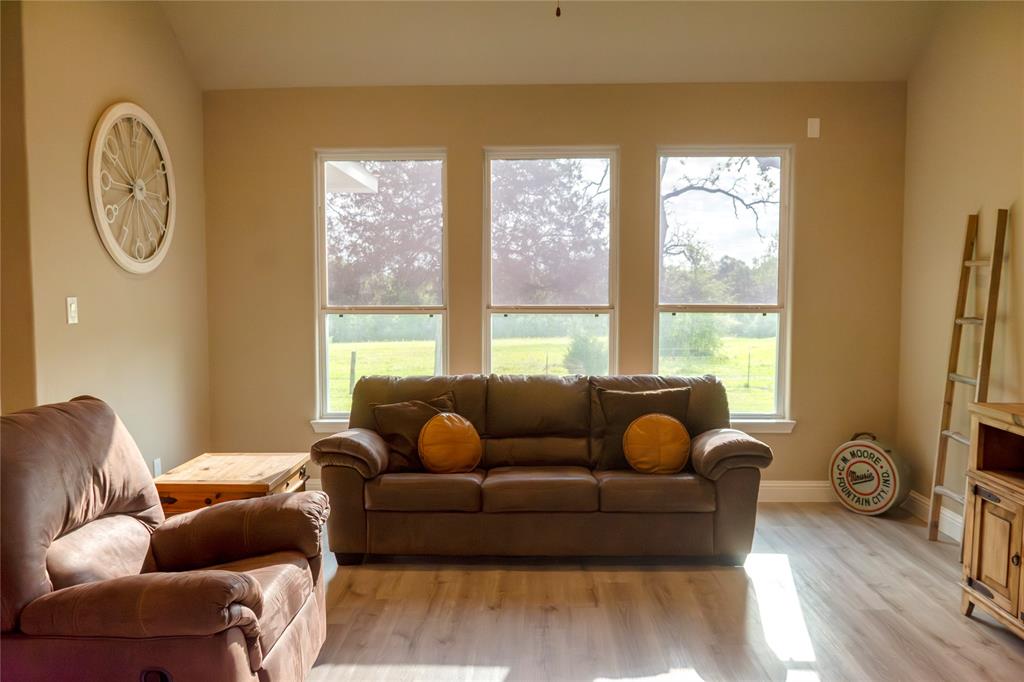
866, 477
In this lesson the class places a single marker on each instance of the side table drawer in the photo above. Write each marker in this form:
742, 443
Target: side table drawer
180, 501
293, 484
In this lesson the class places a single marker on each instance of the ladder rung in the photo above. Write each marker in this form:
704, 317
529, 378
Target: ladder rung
980, 263
961, 379
957, 436
969, 320
950, 493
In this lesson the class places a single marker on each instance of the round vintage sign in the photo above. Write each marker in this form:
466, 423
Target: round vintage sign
866, 477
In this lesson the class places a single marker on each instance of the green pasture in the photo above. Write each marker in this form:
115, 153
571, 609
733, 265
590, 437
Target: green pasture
745, 365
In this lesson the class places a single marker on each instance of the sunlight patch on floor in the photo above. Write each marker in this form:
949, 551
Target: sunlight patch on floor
415, 672
673, 675
782, 619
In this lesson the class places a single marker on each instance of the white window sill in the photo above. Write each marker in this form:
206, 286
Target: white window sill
328, 425
748, 425
764, 425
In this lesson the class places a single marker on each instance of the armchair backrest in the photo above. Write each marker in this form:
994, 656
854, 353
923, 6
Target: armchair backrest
78, 502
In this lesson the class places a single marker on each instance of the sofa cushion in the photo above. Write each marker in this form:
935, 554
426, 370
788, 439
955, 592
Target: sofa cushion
424, 492
621, 408
709, 406
540, 489
400, 424
537, 405
630, 491
470, 391
109, 547
537, 451
286, 581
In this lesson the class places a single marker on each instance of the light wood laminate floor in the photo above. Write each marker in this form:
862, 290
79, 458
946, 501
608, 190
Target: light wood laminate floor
826, 595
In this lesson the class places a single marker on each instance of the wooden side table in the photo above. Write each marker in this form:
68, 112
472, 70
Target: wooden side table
216, 477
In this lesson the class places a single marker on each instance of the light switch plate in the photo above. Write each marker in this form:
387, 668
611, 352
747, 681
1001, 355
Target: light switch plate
72, 309
158, 467
814, 127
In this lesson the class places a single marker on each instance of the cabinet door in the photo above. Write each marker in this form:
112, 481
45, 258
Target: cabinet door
996, 547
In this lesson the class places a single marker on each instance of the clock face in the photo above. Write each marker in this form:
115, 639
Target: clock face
131, 187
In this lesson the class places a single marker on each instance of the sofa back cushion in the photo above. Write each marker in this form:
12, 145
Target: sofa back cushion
537, 405
537, 420
65, 467
401, 423
536, 451
708, 408
469, 391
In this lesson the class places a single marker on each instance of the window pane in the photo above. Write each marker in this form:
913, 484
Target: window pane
720, 229
384, 223
738, 348
359, 345
549, 344
550, 227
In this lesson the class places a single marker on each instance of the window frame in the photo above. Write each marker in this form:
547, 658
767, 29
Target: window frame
323, 307
783, 307
610, 152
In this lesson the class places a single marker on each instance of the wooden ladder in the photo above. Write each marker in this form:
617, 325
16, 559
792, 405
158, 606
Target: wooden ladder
969, 262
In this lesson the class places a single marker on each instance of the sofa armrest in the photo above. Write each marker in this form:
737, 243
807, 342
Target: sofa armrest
716, 451
242, 528
193, 603
360, 449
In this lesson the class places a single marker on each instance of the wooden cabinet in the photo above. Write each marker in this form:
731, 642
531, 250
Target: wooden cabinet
995, 560
994, 514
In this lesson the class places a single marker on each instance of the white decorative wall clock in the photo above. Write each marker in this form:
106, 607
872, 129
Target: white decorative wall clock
131, 187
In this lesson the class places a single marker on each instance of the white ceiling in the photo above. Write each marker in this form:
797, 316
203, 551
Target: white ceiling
232, 45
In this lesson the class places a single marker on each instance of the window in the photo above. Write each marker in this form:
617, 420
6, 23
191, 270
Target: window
722, 277
549, 265
381, 285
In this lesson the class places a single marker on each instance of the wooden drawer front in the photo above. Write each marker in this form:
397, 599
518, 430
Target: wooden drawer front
179, 501
293, 484
995, 561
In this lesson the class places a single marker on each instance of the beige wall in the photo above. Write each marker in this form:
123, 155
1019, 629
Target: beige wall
848, 202
142, 340
17, 340
965, 133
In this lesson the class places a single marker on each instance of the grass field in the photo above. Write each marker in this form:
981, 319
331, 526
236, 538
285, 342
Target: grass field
535, 355
746, 367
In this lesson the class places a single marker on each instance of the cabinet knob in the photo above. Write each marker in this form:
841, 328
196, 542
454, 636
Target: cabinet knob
1015, 560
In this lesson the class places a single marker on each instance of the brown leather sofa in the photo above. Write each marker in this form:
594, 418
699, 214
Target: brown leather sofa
96, 585
537, 491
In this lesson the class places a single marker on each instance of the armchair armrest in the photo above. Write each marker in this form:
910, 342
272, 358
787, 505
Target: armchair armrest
239, 529
149, 605
360, 449
716, 451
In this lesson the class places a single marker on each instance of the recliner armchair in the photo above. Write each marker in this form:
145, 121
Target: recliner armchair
96, 585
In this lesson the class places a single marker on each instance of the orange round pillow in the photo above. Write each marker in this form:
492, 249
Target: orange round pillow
656, 444
449, 444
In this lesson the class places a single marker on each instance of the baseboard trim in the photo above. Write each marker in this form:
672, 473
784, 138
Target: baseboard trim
950, 523
795, 491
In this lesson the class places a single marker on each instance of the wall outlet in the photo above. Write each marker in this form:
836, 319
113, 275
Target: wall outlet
72, 309
158, 467
814, 127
